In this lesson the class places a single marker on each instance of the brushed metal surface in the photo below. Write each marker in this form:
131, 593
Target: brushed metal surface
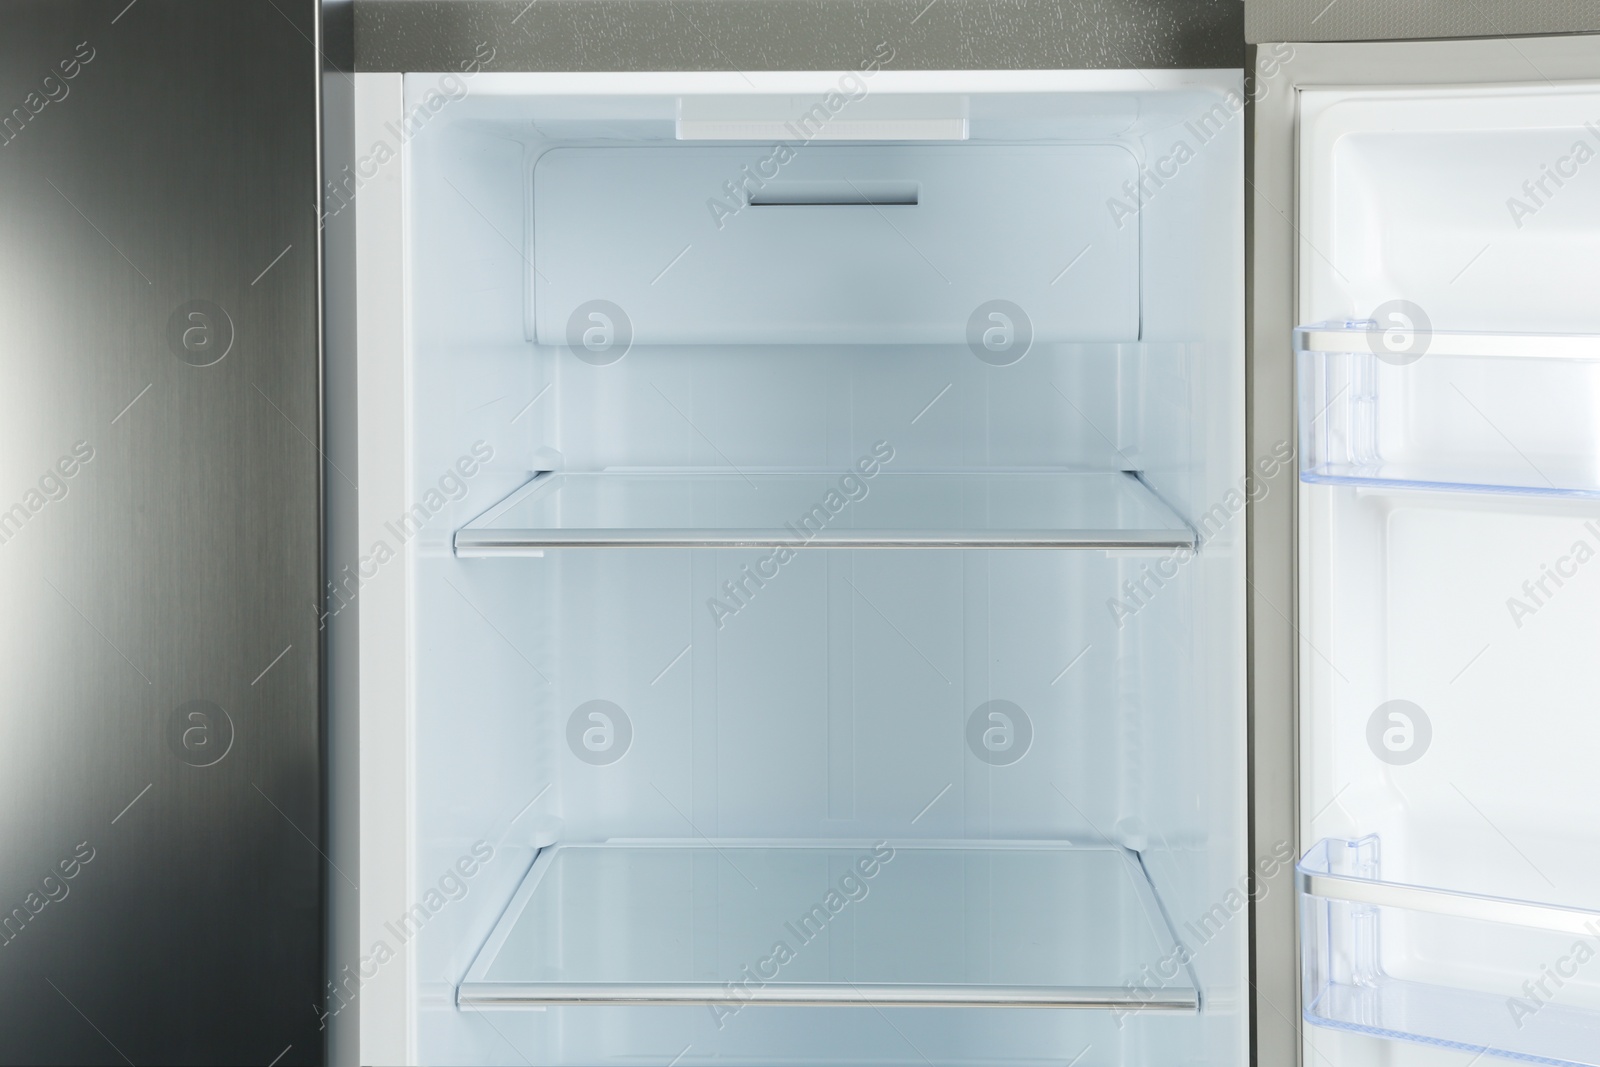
159, 705
1381, 20
626, 35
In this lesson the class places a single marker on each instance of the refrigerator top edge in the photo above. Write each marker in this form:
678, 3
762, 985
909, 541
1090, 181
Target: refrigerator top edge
633, 35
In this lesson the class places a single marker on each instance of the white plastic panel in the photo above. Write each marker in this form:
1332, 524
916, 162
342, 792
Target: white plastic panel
1478, 206
989, 222
1481, 612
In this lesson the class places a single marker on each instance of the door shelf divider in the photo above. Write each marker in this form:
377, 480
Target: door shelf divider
728, 923
806, 509
1352, 921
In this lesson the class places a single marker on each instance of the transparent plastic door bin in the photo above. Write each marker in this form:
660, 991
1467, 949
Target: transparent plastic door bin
1396, 404
1480, 974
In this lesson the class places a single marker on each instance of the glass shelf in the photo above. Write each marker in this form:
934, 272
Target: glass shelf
1466, 963
936, 924
1481, 412
826, 509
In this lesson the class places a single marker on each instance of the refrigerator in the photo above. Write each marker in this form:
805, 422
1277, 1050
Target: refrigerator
806, 533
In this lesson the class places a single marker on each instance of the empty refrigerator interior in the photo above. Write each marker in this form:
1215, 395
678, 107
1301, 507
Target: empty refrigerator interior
827, 628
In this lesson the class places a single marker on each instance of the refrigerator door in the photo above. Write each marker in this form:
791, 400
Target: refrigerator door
1439, 226
160, 772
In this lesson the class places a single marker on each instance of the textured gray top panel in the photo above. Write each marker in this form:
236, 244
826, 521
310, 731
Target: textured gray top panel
623, 35
1392, 20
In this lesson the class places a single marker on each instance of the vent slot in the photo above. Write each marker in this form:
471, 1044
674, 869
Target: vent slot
843, 193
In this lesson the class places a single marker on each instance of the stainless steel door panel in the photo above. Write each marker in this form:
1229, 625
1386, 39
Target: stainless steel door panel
160, 770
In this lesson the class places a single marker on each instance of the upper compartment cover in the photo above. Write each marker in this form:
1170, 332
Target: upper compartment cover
882, 244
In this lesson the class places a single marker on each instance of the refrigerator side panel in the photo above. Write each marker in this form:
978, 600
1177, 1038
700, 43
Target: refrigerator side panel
160, 749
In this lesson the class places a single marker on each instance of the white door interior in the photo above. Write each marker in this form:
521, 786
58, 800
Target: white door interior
1449, 408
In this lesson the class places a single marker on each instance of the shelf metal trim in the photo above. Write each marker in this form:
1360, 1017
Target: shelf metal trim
484, 543
778, 994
